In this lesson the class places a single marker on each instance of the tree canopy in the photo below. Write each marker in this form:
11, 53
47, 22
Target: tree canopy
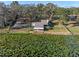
34, 12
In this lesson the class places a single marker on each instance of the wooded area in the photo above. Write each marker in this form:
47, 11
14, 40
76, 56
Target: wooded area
10, 14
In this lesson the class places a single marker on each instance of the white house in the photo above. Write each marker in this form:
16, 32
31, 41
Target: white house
39, 26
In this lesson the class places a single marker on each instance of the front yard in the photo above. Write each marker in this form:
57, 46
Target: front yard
57, 29
74, 30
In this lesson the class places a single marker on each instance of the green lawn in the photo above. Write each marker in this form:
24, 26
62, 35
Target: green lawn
59, 28
35, 45
74, 29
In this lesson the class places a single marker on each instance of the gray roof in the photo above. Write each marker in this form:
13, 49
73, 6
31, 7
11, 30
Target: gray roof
21, 25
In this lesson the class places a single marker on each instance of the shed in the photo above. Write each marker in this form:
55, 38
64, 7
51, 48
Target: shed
72, 17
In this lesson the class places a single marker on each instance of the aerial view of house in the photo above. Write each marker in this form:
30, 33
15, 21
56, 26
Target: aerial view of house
39, 29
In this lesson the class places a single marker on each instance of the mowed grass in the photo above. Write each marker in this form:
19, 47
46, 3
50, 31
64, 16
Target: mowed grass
33, 45
59, 28
74, 29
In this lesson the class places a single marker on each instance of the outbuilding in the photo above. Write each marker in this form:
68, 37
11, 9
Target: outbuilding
22, 23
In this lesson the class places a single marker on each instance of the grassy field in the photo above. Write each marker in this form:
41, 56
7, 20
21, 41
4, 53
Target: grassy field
74, 29
57, 30
36, 45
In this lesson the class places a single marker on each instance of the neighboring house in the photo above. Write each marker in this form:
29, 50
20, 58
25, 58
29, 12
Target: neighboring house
17, 25
72, 20
21, 23
72, 17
